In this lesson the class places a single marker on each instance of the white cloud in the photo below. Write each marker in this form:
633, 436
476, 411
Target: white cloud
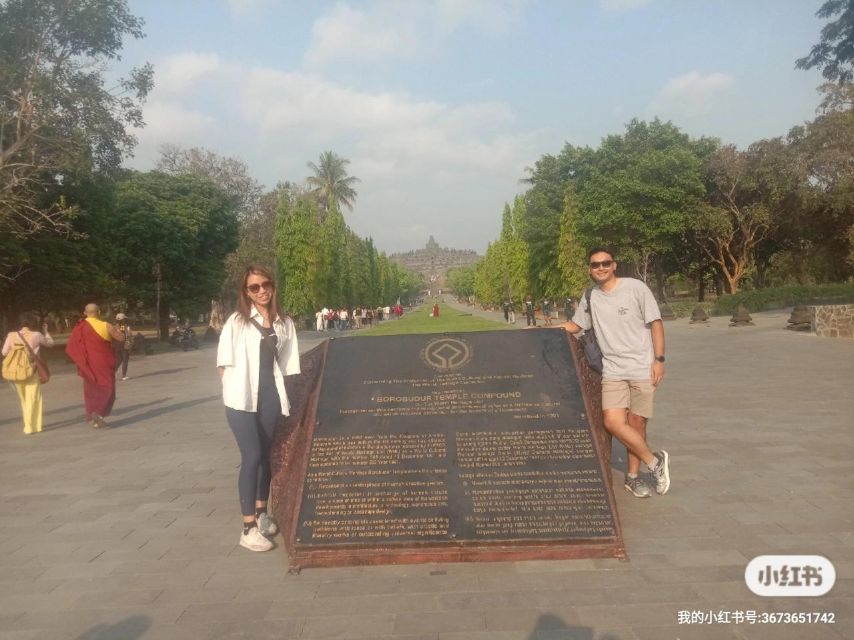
175, 73
168, 122
386, 30
243, 6
622, 5
348, 33
691, 94
492, 16
417, 158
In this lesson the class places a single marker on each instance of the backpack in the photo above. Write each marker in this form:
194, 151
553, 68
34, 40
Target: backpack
17, 365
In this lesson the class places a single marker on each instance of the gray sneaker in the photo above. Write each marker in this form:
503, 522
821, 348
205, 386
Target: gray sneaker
661, 472
267, 525
637, 487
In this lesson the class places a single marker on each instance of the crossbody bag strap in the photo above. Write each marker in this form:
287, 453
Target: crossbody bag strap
268, 339
32, 353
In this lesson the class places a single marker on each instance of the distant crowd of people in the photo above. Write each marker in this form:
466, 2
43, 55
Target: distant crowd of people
330, 319
529, 306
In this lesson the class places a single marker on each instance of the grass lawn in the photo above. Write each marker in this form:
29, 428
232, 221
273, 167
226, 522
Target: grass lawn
450, 320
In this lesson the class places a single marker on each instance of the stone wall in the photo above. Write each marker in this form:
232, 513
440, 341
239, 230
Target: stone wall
833, 320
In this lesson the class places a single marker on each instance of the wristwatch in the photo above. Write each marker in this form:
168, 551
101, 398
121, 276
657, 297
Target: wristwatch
659, 358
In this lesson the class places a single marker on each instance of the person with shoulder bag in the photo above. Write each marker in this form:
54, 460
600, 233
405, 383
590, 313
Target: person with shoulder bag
257, 349
25, 370
624, 341
123, 349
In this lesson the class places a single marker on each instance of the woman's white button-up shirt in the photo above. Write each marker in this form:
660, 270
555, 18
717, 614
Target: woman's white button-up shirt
239, 352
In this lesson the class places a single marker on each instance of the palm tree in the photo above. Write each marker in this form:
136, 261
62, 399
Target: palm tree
330, 183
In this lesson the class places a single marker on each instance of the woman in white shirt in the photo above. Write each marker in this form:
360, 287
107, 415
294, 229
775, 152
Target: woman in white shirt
257, 348
29, 391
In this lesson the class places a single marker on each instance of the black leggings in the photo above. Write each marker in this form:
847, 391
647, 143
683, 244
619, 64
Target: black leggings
254, 435
122, 359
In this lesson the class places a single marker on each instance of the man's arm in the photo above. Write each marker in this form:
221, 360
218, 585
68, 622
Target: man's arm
657, 371
569, 326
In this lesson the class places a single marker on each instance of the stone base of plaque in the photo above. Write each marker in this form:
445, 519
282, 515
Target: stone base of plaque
434, 490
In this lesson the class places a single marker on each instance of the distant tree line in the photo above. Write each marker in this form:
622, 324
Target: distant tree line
674, 207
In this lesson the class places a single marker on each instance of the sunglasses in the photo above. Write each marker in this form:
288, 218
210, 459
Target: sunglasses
255, 287
604, 264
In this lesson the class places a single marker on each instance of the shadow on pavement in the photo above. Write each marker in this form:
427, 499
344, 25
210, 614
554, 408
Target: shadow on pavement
45, 413
128, 629
81, 419
154, 413
552, 626
162, 372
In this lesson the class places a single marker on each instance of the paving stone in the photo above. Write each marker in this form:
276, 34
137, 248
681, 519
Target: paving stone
139, 524
414, 623
349, 626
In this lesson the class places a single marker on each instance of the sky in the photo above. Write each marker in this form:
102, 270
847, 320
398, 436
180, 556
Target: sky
441, 105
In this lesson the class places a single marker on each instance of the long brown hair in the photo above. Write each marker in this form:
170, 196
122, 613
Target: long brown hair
244, 304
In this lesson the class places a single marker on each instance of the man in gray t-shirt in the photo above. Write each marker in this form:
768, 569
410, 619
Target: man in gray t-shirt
625, 317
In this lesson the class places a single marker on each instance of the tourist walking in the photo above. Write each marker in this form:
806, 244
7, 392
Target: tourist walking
512, 312
627, 322
257, 349
90, 348
547, 312
123, 349
19, 350
529, 311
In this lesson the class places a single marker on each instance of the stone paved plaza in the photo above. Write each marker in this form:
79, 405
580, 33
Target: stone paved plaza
132, 532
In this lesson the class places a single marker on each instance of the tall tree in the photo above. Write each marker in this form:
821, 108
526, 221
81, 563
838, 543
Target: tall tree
56, 113
229, 173
738, 216
330, 182
573, 252
296, 247
834, 54
172, 234
825, 148
639, 195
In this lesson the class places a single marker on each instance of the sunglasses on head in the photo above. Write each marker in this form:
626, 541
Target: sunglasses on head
604, 264
255, 287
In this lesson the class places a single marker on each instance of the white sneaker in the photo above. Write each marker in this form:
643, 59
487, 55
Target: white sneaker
255, 541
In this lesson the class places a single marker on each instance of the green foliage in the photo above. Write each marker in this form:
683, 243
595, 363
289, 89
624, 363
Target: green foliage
504, 271
296, 241
834, 54
182, 225
419, 321
572, 257
330, 183
640, 191
781, 297
461, 280
56, 114
332, 270
684, 308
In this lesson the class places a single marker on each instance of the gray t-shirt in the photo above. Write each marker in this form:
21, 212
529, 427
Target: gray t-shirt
621, 318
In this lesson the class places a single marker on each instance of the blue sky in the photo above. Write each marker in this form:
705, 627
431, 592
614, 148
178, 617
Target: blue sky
441, 104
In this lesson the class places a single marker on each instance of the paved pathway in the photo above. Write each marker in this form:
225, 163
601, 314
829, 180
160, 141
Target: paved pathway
131, 532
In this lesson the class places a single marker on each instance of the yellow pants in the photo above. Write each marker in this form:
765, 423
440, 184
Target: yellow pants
30, 394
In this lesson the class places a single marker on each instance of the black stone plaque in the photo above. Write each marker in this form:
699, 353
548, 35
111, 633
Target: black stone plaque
453, 439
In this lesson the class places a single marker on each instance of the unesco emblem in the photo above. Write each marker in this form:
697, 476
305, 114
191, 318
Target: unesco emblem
447, 354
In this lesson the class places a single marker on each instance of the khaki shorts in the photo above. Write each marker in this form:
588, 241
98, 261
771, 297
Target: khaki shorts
634, 395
